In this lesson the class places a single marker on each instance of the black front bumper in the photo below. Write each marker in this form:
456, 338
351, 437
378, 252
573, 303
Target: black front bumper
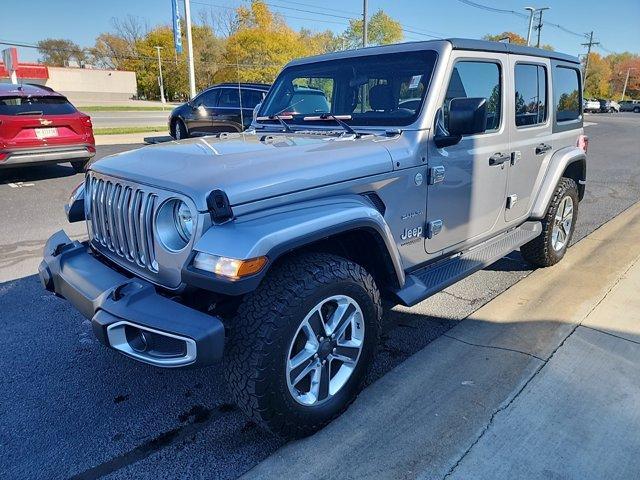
128, 314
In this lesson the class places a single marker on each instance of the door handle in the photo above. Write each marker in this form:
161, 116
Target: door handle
499, 158
542, 148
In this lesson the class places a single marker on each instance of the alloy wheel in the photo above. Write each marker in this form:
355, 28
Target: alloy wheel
325, 350
562, 224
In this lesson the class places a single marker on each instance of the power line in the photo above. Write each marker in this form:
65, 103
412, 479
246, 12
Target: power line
522, 15
135, 57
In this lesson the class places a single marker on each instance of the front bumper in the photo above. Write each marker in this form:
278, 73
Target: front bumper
128, 314
54, 154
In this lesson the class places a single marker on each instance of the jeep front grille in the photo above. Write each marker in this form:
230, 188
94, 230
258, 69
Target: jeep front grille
121, 218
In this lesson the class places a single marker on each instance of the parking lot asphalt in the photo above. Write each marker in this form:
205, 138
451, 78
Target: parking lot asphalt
69, 407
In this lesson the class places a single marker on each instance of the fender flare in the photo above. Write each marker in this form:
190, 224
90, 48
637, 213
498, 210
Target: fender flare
277, 231
558, 164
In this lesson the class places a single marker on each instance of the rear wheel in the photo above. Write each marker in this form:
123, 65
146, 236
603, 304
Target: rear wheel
80, 166
636, 110
301, 344
557, 227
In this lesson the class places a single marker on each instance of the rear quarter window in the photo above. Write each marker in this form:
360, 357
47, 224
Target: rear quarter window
35, 106
566, 86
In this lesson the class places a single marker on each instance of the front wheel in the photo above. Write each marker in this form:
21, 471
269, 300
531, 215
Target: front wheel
180, 130
557, 227
301, 344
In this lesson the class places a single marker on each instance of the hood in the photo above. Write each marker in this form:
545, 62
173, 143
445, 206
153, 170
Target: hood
250, 166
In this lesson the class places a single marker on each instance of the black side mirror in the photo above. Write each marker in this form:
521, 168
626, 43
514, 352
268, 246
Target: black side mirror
467, 116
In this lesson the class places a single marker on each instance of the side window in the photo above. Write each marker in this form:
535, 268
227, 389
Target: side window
566, 85
208, 98
250, 98
473, 79
531, 94
229, 97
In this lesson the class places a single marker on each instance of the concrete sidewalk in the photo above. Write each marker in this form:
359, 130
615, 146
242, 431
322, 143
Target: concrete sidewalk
542, 382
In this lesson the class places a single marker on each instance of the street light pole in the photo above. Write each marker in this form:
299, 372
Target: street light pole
532, 12
626, 81
162, 99
192, 75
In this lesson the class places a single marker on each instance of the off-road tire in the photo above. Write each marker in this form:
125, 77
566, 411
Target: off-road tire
180, 131
264, 326
80, 166
539, 251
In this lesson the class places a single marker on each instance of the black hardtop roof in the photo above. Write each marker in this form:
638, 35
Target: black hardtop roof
503, 47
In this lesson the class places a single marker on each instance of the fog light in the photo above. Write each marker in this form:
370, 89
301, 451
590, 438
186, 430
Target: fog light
228, 267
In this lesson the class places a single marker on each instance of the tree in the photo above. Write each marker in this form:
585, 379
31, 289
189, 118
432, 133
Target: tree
110, 51
513, 38
263, 44
60, 52
381, 30
597, 82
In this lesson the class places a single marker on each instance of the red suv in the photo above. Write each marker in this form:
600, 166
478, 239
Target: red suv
38, 125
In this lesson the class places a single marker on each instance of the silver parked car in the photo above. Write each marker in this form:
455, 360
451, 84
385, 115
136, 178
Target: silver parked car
275, 248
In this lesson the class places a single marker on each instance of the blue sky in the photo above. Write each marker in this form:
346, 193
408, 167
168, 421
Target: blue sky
615, 23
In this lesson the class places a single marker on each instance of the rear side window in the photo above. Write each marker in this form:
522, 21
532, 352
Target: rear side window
531, 95
35, 106
476, 79
566, 85
229, 98
250, 98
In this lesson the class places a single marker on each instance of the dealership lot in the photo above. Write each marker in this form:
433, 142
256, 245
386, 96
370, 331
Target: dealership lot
71, 407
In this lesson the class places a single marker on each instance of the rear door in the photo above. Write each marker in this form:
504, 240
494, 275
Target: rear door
467, 203
531, 132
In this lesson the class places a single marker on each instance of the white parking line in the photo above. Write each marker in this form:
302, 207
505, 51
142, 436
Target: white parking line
589, 124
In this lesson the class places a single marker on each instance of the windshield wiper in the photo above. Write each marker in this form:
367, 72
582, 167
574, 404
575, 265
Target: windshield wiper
337, 118
31, 112
279, 118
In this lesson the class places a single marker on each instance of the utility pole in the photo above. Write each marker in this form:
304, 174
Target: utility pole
539, 26
192, 75
589, 44
160, 81
626, 81
365, 27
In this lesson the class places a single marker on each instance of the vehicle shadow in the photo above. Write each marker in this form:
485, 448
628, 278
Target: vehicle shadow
35, 173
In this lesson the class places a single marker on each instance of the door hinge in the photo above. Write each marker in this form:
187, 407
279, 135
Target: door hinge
436, 174
512, 200
515, 157
434, 228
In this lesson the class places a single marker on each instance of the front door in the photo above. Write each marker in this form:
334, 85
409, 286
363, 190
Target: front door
466, 203
199, 117
531, 138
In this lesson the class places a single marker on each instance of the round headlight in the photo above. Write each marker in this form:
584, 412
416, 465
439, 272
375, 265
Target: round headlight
184, 220
175, 224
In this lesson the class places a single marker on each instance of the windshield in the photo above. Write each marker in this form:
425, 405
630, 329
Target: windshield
35, 106
371, 90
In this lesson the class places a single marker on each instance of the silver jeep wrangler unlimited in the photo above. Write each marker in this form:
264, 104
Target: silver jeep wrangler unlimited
381, 173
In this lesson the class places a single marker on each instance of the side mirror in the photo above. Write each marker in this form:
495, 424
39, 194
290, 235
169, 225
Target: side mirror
202, 111
467, 116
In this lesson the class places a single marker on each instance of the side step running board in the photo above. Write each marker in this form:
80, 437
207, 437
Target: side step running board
421, 284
